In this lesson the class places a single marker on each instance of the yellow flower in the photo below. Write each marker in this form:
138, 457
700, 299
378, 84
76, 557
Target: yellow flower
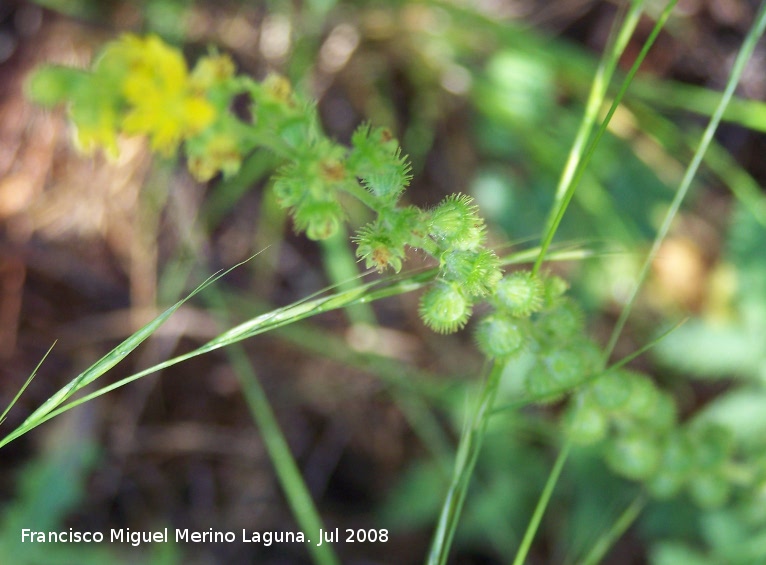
155, 84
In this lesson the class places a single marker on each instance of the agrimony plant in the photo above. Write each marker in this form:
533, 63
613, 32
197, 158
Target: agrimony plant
141, 86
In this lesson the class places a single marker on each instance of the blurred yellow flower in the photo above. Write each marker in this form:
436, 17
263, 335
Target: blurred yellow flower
161, 101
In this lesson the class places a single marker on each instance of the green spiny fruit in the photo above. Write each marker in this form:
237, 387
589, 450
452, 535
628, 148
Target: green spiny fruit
456, 224
563, 322
585, 423
477, 271
634, 454
676, 466
444, 307
611, 390
500, 336
519, 294
319, 219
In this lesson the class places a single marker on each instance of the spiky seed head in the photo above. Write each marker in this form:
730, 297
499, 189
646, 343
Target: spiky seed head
499, 336
519, 294
444, 308
456, 224
478, 272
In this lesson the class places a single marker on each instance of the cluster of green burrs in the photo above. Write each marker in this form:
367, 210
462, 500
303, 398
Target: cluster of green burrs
142, 86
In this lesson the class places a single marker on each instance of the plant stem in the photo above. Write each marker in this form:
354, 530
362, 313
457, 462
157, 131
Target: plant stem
290, 479
608, 64
361, 194
739, 66
542, 504
341, 269
287, 472
588, 153
599, 550
465, 461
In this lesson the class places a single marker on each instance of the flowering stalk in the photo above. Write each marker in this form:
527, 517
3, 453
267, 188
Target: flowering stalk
141, 86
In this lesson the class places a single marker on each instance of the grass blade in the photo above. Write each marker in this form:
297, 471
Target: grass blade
287, 471
542, 504
588, 153
25, 385
620, 526
465, 461
739, 66
303, 309
601, 81
53, 406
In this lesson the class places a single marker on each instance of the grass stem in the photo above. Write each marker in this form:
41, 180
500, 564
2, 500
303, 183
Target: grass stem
591, 148
542, 504
748, 46
620, 526
465, 461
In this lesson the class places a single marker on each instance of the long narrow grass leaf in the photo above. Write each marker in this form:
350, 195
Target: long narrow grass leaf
743, 56
467, 454
542, 504
25, 385
619, 37
289, 476
51, 407
303, 309
588, 154
620, 526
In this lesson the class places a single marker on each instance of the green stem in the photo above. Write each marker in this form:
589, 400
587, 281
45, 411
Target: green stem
287, 472
597, 553
465, 461
341, 269
286, 469
542, 504
739, 66
582, 165
361, 194
595, 99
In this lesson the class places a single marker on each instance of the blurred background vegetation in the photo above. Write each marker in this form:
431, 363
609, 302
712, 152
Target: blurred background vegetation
485, 97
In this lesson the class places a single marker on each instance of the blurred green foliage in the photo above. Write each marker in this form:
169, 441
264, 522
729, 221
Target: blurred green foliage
50, 488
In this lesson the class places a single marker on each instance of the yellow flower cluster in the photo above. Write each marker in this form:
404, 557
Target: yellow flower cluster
138, 86
143, 86
161, 102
